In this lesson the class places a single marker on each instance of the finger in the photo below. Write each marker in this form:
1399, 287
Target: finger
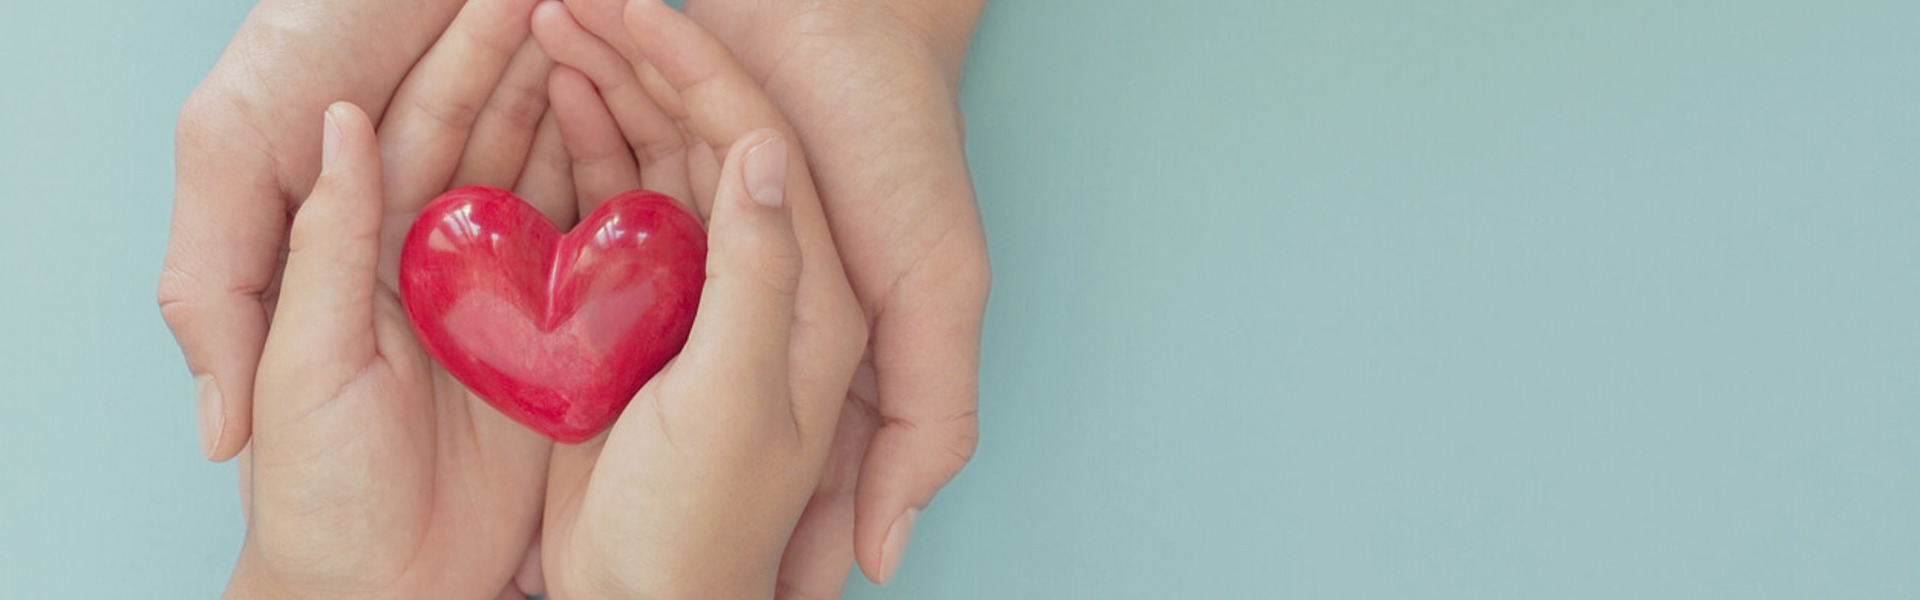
434, 111
819, 556
326, 293
229, 222
657, 143
709, 88
503, 134
703, 169
244, 467
741, 329
927, 357
530, 580
722, 106
602, 17
702, 166
603, 165
547, 181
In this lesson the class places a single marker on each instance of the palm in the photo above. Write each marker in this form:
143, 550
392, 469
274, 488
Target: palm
430, 492
624, 482
477, 494
421, 486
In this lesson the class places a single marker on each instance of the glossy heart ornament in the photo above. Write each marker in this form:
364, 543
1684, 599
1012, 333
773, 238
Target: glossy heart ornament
557, 331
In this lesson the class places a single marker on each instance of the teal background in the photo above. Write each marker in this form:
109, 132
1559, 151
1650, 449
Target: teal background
1293, 299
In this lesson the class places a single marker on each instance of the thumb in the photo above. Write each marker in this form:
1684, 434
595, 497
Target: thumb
926, 355
326, 294
743, 328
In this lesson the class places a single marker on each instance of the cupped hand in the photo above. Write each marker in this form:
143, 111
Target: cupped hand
696, 489
248, 152
372, 473
871, 87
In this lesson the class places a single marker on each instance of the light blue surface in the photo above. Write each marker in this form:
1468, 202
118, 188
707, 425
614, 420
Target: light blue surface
1367, 299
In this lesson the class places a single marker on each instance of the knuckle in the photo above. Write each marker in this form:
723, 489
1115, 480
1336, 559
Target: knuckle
766, 263
968, 272
522, 107
501, 43
709, 83
321, 228
197, 117
193, 113
949, 443
609, 160
965, 442
174, 297
662, 92
841, 329
978, 272
212, 111
206, 103
447, 113
955, 269
662, 146
303, 234
318, 224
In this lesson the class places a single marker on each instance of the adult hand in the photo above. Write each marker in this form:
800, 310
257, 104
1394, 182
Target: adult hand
696, 489
871, 87
469, 111
248, 152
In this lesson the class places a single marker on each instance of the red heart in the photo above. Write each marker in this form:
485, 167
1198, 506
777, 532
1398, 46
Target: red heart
556, 331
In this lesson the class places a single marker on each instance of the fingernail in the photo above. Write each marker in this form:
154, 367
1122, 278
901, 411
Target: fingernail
211, 413
766, 172
896, 545
329, 143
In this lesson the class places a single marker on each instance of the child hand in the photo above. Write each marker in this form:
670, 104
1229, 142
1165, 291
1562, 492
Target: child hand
696, 490
373, 473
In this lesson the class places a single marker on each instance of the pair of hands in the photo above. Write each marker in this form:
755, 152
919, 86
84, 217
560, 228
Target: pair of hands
436, 493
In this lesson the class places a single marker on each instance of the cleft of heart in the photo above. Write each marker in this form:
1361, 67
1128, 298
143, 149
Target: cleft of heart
556, 330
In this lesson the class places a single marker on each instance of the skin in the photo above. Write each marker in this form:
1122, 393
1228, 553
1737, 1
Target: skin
248, 152
871, 87
889, 164
371, 472
690, 495
696, 490
374, 473
902, 201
